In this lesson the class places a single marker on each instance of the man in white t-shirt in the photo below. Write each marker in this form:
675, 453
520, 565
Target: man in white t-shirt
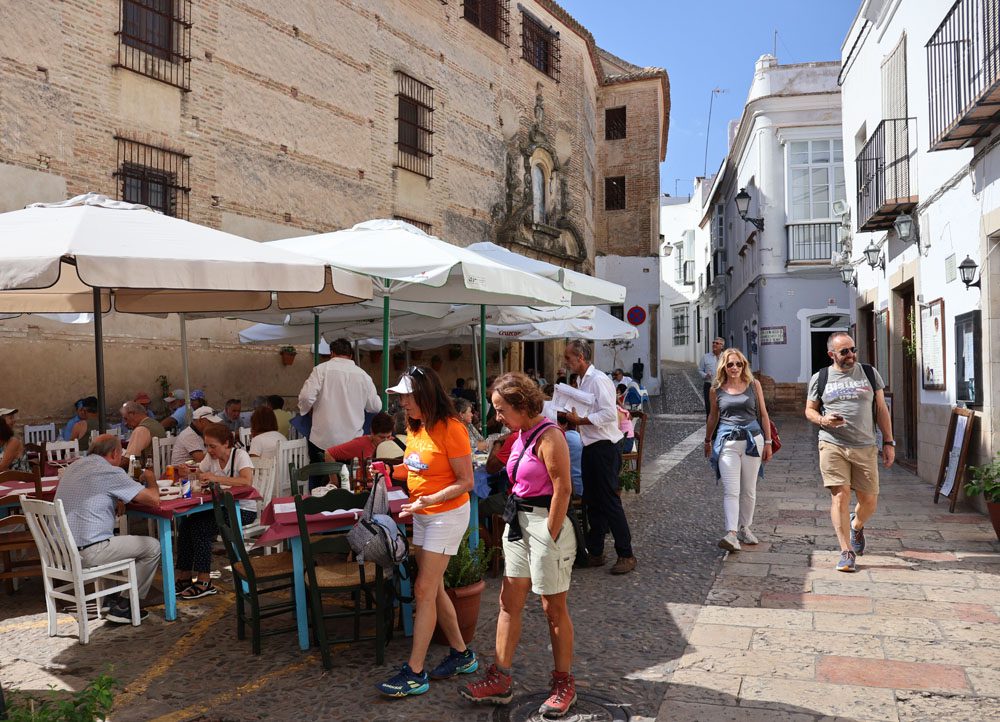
189, 444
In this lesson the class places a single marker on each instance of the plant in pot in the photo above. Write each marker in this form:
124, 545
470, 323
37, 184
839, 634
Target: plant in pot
454, 352
464, 585
398, 360
986, 481
287, 355
436, 362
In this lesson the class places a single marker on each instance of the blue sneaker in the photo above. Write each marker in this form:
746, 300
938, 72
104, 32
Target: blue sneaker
404, 683
857, 538
847, 562
456, 663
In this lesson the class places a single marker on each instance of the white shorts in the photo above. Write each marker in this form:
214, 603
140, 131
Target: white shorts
442, 532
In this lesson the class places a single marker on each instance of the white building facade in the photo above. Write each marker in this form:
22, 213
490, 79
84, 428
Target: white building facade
920, 88
772, 289
682, 256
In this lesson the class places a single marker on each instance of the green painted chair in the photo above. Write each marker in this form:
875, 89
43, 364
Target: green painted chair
320, 468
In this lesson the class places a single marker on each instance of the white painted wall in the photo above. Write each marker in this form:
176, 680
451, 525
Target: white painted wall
679, 217
640, 275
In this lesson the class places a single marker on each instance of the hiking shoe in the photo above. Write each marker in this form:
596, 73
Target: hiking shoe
745, 536
494, 687
595, 560
857, 538
456, 663
847, 562
562, 697
624, 565
404, 683
121, 613
729, 542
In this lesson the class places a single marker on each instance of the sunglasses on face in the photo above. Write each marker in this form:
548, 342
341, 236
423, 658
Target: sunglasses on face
849, 349
734, 365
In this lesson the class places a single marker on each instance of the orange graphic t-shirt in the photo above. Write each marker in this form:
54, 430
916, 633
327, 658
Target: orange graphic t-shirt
427, 461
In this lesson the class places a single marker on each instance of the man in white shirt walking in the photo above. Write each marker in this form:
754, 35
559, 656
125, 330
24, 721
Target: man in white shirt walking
601, 461
338, 393
707, 366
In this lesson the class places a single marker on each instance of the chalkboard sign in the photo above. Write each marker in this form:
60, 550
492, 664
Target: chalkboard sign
951, 476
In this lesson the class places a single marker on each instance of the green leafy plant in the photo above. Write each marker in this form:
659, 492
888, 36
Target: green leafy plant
93, 702
468, 565
288, 349
164, 385
910, 344
627, 479
454, 352
985, 480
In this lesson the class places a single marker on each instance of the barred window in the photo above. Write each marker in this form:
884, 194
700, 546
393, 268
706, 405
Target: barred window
614, 193
415, 125
614, 123
154, 39
153, 176
422, 225
679, 317
490, 16
540, 46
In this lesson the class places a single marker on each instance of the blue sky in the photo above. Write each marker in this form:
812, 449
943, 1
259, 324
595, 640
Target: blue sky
704, 44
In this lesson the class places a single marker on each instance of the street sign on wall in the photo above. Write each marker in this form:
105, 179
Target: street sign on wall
636, 315
773, 335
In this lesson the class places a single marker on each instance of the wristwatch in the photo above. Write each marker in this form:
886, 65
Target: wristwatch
888, 443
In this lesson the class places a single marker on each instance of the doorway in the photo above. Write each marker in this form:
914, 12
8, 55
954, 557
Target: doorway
820, 328
906, 447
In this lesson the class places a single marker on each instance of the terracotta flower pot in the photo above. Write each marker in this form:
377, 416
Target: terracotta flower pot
287, 359
436, 363
466, 601
994, 508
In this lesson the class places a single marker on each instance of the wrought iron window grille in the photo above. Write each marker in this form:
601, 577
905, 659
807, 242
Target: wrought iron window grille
154, 39
490, 16
153, 176
615, 123
415, 125
614, 193
540, 46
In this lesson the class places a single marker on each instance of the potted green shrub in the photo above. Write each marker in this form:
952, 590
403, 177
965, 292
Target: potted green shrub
436, 362
464, 584
287, 355
455, 352
986, 481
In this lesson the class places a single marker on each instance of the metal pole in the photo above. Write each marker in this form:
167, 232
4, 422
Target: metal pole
184, 362
482, 368
102, 414
385, 347
315, 337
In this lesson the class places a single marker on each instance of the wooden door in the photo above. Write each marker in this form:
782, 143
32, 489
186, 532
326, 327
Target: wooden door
906, 447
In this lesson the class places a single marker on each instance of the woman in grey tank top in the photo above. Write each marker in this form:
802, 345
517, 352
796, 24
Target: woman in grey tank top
740, 444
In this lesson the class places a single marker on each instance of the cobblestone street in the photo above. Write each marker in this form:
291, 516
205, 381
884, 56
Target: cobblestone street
769, 634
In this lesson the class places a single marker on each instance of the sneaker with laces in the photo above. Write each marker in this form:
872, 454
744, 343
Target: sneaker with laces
562, 697
456, 663
729, 542
857, 538
494, 687
847, 562
121, 612
745, 536
404, 683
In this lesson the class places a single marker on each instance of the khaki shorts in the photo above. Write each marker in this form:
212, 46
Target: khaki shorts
547, 563
853, 466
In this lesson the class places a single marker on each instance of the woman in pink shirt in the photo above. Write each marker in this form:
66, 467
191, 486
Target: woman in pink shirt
539, 545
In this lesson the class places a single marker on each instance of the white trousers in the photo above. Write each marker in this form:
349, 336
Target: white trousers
738, 471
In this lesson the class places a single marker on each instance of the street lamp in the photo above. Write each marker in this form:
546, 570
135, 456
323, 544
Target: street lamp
905, 228
874, 257
848, 276
743, 207
967, 270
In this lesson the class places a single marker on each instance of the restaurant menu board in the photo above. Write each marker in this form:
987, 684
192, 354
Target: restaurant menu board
951, 475
932, 345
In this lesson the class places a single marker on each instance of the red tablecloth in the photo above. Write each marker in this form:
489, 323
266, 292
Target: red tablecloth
168, 509
12, 491
282, 523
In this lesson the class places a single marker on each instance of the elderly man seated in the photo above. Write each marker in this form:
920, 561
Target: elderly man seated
177, 420
189, 444
140, 443
89, 490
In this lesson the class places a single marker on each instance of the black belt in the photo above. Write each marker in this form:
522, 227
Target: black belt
87, 546
515, 504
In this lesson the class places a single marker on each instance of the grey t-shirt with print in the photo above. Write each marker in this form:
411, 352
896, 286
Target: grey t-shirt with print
849, 394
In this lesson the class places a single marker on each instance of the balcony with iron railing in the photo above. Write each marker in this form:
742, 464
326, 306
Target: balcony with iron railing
813, 243
883, 173
963, 75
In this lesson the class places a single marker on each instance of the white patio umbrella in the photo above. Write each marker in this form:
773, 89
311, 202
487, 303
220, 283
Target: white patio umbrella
92, 254
407, 264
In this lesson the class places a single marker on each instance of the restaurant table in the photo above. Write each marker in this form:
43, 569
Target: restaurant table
11, 492
282, 524
163, 515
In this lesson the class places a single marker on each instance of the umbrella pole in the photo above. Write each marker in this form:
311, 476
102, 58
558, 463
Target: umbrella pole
406, 353
315, 338
102, 416
184, 362
482, 368
385, 347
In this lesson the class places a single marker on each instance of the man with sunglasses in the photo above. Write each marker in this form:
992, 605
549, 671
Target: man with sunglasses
707, 368
848, 459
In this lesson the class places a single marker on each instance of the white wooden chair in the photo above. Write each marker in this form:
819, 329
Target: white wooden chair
263, 482
113, 430
293, 433
245, 437
40, 434
163, 449
61, 450
64, 575
289, 452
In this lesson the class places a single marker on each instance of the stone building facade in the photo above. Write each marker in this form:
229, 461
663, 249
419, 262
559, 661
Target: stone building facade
477, 120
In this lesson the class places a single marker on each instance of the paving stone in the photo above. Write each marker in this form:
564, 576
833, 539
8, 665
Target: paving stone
937, 610
891, 674
956, 594
817, 642
679, 711
922, 706
943, 651
968, 631
984, 681
741, 569
771, 618
878, 591
693, 685
877, 625
720, 635
822, 698
817, 602
745, 662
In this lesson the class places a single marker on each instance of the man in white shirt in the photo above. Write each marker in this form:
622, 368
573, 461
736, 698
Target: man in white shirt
601, 461
338, 393
189, 444
707, 367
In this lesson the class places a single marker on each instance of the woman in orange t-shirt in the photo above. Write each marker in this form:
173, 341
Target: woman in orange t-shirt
438, 466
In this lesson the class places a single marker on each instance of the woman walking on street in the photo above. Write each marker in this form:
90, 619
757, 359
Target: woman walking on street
538, 544
736, 402
437, 466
